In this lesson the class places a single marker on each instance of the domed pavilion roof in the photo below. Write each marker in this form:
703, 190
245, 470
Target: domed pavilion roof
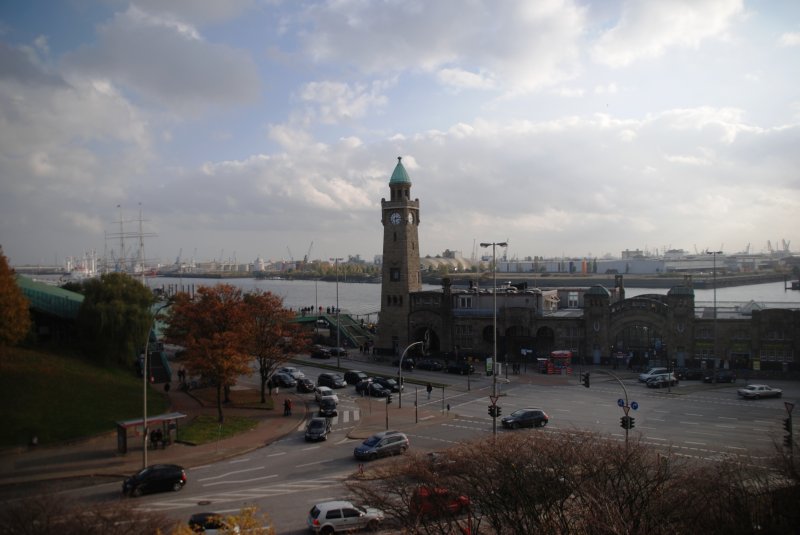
399, 176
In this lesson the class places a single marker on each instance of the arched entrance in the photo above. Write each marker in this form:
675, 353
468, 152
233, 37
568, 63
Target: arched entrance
545, 341
428, 335
640, 344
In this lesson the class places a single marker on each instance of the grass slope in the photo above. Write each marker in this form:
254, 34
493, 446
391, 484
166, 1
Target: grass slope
63, 397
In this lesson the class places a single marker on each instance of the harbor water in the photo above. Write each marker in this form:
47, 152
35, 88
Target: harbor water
363, 299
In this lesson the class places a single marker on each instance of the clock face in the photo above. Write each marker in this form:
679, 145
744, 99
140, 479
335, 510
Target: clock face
395, 218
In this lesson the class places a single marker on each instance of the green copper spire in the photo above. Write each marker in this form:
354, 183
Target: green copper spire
399, 176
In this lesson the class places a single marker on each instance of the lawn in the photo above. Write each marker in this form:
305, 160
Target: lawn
60, 397
206, 428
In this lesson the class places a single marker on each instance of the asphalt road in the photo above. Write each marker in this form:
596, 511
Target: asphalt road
286, 478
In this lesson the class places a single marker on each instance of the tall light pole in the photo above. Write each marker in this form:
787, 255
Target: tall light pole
338, 344
714, 275
493, 398
145, 378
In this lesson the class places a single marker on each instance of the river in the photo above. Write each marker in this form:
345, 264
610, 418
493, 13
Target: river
363, 299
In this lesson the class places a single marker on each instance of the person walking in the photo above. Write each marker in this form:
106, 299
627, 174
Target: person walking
286, 406
429, 389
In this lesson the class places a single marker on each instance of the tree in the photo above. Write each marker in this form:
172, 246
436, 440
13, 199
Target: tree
272, 336
115, 318
15, 320
213, 329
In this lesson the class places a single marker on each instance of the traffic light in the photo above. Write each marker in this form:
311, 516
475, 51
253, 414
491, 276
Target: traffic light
787, 441
623, 422
585, 379
498, 409
388, 399
491, 411
630, 422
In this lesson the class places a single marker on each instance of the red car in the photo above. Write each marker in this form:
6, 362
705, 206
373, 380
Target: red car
437, 501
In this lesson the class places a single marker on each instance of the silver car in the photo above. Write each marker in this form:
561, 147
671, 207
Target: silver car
338, 516
759, 391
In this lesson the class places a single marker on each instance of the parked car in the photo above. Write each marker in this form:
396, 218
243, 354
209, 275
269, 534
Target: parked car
284, 379
643, 377
318, 429
759, 391
339, 516
333, 380
662, 380
338, 352
688, 374
325, 392
155, 478
381, 445
408, 363
721, 376
430, 364
327, 407
389, 384
296, 373
461, 368
305, 385
207, 523
369, 388
320, 352
437, 501
525, 418
353, 377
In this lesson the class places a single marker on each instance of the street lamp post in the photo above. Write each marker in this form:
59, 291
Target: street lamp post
145, 378
493, 398
714, 275
338, 343
400, 373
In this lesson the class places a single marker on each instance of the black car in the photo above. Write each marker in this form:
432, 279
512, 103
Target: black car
525, 418
375, 390
332, 380
155, 478
305, 385
408, 363
722, 376
430, 364
689, 374
353, 377
327, 407
202, 522
461, 368
389, 384
319, 352
318, 429
338, 352
284, 379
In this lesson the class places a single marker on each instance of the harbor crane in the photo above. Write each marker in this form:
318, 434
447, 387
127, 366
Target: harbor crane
308, 254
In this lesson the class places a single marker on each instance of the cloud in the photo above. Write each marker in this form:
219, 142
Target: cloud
335, 102
526, 45
647, 30
790, 39
167, 61
22, 65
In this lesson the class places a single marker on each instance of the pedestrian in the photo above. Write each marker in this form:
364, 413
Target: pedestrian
269, 385
429, 389
289, 405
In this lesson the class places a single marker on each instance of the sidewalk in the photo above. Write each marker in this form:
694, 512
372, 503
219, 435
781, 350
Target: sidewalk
97, 457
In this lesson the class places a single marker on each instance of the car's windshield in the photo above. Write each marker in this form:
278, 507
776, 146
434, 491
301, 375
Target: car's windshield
518, 412
372, 441
316, 424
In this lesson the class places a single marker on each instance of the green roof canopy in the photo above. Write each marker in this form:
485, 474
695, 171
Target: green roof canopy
399, 176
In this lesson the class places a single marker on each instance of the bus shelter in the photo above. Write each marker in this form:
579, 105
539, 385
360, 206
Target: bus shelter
167, 423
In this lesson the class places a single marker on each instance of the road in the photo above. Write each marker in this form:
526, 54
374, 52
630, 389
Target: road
286, 478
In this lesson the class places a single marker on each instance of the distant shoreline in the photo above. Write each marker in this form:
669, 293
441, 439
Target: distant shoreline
534, 280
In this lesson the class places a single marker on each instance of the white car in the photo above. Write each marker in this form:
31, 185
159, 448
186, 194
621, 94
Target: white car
294, 372
338, 516
759, 391
325, 392
652, 372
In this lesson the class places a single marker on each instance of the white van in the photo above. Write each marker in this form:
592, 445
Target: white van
652, 372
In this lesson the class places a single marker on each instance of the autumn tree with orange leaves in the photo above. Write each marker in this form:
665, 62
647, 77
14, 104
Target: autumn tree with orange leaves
15, 320
272, 334
213, 329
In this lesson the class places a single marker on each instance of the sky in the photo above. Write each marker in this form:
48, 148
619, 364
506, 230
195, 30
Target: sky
269, 129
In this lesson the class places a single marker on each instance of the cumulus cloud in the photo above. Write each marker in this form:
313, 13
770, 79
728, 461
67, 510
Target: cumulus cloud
790, 39
336, 101
168, 62
528, 45
649, 29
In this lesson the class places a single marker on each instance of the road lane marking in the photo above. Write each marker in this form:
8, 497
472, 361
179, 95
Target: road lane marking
695, 443
690, 423
239, 461
226, 474
311, 464
239, 481
276, 454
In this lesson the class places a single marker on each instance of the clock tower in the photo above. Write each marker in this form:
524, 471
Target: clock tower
401, 275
